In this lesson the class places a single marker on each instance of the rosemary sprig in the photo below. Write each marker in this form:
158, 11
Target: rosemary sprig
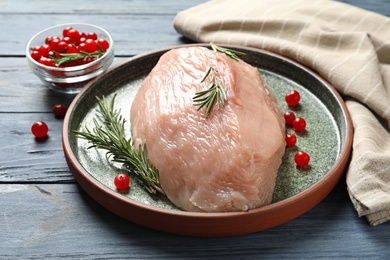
214, 94
111, 136
67, 57
229, 52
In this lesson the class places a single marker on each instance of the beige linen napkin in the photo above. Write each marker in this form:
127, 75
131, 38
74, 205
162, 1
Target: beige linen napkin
348, 46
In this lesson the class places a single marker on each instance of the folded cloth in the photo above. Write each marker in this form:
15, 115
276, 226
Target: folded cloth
348, 46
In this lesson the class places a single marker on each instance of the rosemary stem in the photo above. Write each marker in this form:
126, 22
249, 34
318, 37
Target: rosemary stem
109, 134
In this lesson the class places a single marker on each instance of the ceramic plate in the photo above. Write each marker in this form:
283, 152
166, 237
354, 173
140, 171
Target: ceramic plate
327, 139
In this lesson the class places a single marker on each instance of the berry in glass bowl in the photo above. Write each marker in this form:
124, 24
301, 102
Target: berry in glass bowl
67, 56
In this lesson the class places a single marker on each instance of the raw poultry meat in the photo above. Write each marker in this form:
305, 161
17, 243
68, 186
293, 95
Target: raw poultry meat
226, 162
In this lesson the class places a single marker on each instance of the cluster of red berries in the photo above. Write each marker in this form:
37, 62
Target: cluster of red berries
292, 99
56, 50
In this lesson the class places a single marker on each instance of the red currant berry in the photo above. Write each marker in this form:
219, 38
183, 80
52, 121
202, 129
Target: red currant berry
74, 36
50, 62
92, 36
66, 30
59, 110
52, 54
292, 98
67, 39
44, 50
47, 61
299, 124
289, 117
42, 60
62, 47
291, 139
83, 47
302, 159
53, 44
72, 49
49, 39
91, 45
36, 48
104, 45
39, 129
36, 55
122, 181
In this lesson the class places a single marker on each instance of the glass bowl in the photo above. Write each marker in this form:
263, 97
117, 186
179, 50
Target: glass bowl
72, 78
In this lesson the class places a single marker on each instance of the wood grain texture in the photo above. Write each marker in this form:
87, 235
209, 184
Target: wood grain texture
49, 221
44, 213
135, 17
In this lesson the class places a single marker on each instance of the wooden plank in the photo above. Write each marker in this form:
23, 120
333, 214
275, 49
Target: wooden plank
25, 159
141, 33
155, 7
22, 91
63, 221
377, 6
24, 100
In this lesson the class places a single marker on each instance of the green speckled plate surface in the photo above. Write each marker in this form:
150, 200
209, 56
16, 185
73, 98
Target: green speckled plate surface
327, 139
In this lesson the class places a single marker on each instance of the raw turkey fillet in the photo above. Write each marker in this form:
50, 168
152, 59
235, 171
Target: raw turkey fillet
226, 162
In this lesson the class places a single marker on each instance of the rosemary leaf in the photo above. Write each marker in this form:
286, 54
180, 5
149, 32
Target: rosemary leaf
109, 134
67, 57
214, 94
229, 52
207, 74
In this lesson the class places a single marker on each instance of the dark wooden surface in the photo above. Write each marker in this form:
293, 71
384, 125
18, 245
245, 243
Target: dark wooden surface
45, 214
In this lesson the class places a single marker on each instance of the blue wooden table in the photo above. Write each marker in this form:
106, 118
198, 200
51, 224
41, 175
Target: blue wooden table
45, 214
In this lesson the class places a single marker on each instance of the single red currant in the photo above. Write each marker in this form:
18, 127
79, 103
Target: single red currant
44, 50
52, 54
292, 98
54, 43
36, 55
92, 36
66, 30
103, 44
82, 39
37, 48
291, 139
72, 49
46, 61
49, 39
74, 36
289, 117
62, 47
91, 45
59, 110
83, 47
302, 159
122, 181
299, 124
39, 129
